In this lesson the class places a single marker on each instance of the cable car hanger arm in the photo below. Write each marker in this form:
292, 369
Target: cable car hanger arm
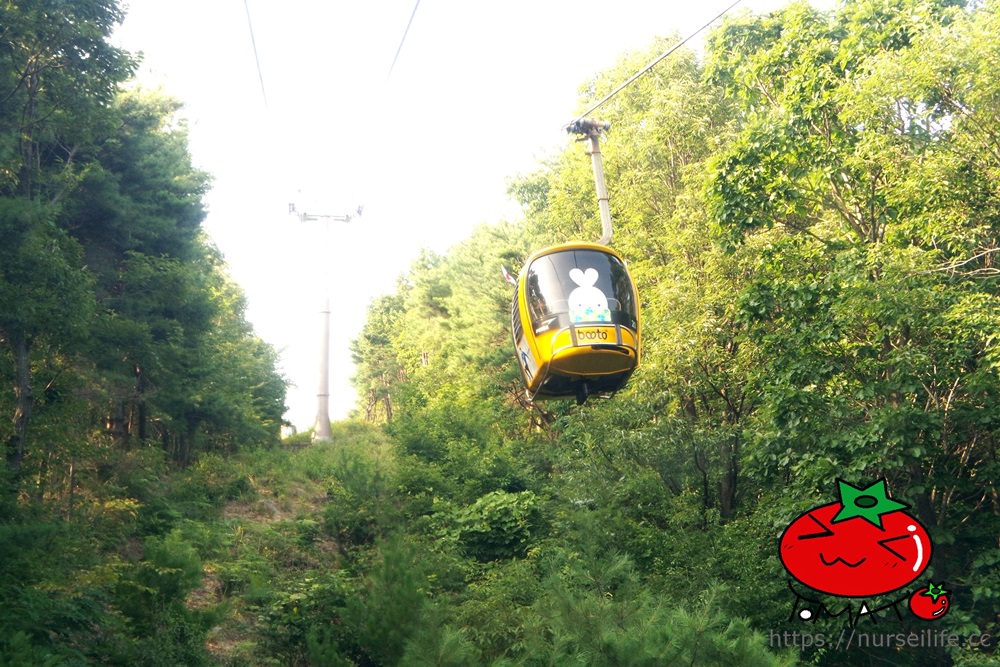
591, 131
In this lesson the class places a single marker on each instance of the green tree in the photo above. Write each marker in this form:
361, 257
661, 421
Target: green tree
44, 302
861, 182
57, 75
137, 214
379, 373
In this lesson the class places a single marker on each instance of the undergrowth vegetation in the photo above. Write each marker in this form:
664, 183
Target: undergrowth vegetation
331, 555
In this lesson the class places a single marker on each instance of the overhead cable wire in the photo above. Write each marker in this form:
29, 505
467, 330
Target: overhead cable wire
256, 58
654, 63
401, 41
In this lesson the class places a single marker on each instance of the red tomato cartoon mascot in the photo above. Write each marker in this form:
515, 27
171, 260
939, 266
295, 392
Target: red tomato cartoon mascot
862, 546
930, 602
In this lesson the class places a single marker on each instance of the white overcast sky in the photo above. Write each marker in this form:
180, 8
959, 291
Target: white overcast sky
479, 93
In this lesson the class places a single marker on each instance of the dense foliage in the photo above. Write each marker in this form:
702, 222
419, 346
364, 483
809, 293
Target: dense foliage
811, 216
106, 281
122, 343
811, 213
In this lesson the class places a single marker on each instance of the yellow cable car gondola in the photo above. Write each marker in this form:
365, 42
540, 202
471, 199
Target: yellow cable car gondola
575, 322
575, 316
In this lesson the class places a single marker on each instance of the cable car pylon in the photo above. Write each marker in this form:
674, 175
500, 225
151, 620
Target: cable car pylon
575, 313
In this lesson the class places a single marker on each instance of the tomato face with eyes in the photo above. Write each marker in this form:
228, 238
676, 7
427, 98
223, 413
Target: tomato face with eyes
864, 545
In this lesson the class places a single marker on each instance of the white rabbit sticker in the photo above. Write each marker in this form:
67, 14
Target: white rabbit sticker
587, 303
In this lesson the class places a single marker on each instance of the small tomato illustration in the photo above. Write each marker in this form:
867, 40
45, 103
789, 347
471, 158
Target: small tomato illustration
930, 603
862, 546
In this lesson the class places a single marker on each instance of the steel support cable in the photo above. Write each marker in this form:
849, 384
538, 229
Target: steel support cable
403, 40
256, 58
653, 63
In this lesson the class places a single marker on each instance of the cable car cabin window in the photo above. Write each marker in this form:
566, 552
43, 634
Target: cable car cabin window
515, 319
579, 286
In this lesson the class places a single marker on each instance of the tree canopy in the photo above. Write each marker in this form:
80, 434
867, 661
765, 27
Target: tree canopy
106, 280
810, 215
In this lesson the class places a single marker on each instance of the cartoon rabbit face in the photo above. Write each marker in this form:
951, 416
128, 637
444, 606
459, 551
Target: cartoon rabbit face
587, 303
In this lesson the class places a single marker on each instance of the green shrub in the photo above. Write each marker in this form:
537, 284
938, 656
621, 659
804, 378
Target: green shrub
391, 605
18, 649
179, 639
499, 525
305, 616
631, 626
360, 500
170, 569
